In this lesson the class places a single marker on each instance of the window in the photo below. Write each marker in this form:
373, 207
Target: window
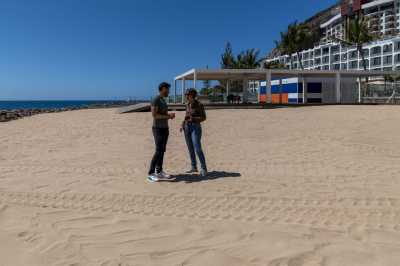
376, 50
317, 52
376, 61
335, 49
325, 59
353, 54
366, 52
318, 61
344, 57
336, 66
361, 64
344, 66
397, 46
387, 48
336, 58
388, 60
353, 65
325, 50
397, 58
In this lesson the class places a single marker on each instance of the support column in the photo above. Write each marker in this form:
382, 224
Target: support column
245, 88
183, 90
175, 98
303, 82
359, 90
338, 89
227, 90
268, 80
194, 79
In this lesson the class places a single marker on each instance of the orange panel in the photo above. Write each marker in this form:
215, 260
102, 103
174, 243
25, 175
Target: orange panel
263, 98
285, 98
276, 98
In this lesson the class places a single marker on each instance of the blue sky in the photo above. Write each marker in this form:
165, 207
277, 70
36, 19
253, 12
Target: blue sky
113, 49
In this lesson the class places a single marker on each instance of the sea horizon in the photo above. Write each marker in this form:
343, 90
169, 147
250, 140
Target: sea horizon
55, 104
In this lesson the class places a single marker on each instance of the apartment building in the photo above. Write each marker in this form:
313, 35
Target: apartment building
383, 17
379, 55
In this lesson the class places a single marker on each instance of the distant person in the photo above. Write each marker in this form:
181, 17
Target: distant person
159, 110
191, 126
230, 98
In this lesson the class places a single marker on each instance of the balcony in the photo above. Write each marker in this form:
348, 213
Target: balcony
335, 49
335, 58
391, 32
377, 50
353, 65
353, 55
397, 59
361, 64
397, 47
387, 48
390, 19
377, 61
388, 60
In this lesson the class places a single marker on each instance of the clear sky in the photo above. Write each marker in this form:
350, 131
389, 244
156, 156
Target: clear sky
114, 49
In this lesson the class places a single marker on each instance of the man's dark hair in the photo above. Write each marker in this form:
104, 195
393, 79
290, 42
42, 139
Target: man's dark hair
164, 85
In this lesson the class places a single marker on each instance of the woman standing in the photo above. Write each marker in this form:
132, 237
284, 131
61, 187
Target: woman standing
195, 115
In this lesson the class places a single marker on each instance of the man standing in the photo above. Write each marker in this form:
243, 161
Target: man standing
159, 110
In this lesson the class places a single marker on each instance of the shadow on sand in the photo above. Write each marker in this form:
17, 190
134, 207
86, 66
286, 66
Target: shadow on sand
189, 178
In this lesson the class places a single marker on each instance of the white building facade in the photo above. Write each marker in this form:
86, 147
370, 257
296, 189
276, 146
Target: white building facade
379, 55
383, 18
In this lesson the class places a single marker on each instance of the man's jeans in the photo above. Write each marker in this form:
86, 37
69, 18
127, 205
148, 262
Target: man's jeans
160, 139
193, 134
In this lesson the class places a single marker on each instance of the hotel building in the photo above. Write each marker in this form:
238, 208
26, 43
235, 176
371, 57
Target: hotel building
383, 17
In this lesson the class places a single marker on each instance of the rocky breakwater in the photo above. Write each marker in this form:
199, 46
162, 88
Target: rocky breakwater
9, 115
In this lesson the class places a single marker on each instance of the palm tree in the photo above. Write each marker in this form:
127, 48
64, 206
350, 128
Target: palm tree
358, 33
227, 58
297, 38
274, 65
249, 59
286, 45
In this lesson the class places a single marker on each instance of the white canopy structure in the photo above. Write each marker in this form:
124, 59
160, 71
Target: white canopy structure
268, 75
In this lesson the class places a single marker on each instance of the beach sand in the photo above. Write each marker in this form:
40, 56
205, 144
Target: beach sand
288, 187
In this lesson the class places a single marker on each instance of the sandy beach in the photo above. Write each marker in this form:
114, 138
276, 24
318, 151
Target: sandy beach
288, 187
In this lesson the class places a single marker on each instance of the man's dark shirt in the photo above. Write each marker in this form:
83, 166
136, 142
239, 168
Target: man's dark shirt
162, 109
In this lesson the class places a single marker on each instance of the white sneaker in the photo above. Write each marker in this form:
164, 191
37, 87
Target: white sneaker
153, 178
163, 175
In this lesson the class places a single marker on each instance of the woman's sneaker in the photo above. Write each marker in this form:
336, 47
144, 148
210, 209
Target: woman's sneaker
153, 178
163, 175
203, 172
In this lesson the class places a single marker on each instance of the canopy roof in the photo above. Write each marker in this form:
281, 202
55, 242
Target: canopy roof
260, 74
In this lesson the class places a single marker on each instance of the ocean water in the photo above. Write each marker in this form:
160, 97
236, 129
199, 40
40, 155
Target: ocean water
13, 105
